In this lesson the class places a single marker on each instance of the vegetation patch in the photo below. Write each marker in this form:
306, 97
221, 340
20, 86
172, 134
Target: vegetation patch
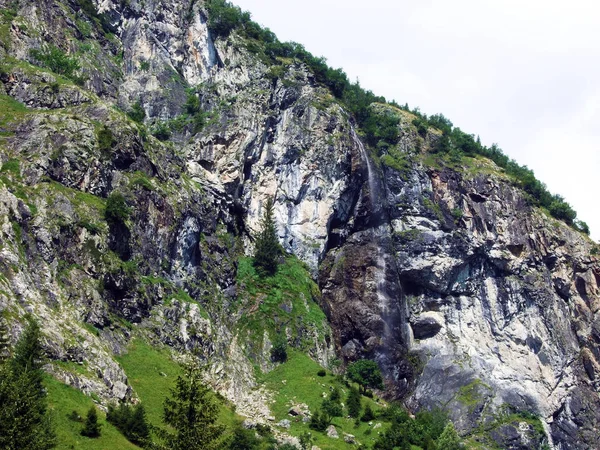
63, 400
297, 381
286, 299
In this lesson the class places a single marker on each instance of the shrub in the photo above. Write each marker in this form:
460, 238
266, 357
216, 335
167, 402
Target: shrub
137, 113
57, 61
353, 403
161, 131
368, 415
91, 427
321, 372
116, 208
366, 373
131, 421
105, 139
279, 349
318, 421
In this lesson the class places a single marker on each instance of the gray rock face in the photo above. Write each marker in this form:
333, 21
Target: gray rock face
465, 294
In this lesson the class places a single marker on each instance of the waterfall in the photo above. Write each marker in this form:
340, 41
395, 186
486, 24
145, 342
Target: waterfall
370, 174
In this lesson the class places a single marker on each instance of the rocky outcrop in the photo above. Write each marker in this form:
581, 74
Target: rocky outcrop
469, 297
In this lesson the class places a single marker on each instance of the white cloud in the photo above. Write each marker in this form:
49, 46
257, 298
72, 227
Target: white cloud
522, 73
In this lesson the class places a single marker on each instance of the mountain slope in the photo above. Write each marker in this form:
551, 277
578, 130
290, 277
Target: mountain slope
140, 141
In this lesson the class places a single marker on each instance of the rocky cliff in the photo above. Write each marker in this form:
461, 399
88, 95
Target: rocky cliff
442, 270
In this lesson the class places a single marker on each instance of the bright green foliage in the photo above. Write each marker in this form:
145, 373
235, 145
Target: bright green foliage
116, 208
449, 439
266, 247
57, 61
331, 408
91, 427
381, 126
131, 421
137, 113
192, 415
24, 421
366, 373
353, 403
223, 17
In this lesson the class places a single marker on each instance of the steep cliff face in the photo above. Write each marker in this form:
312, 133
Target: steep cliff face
441, 270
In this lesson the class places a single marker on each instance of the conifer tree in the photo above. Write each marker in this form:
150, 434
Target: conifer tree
192, 414
91, 427
24, 420
266, 247
139, 431
353, 403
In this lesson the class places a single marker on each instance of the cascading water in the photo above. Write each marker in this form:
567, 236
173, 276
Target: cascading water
371, 178
374, 197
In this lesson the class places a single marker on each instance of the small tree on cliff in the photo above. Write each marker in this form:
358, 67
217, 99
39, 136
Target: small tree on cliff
266, 247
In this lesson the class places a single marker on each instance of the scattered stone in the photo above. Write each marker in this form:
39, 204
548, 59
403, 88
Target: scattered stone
349, 438
284, 423
248, 424
332, 432
377, 425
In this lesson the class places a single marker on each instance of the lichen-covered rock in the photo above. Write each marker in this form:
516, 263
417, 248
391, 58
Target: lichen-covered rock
442, 271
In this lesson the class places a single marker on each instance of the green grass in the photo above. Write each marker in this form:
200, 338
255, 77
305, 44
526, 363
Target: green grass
263, 300
146, 367
62, 400
10, 111
296, 381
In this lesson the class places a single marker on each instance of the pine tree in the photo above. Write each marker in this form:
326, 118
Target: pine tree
266, 247
368, 415
138, 429
192, 414
353, 403
24, 421
91, 427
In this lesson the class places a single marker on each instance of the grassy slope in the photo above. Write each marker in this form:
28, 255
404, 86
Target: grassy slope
62, 400
296, 381
152, 373
263, 300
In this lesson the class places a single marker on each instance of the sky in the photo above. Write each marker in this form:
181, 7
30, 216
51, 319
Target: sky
523, 74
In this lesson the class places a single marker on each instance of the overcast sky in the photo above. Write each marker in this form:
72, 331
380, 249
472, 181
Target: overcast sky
523, 74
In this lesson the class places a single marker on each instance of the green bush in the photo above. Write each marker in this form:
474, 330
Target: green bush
321, 373
91, 427
57, 61
279, 349
365, 373
137, 113
161, 131
116, 208
131, 421
353, 403
105, 139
